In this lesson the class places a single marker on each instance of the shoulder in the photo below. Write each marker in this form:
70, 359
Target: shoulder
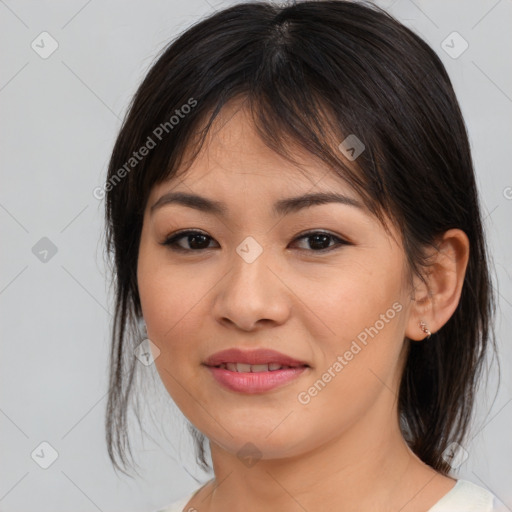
466, 497
179, 505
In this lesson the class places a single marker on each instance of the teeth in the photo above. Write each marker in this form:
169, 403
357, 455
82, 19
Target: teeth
252, 368
259, 368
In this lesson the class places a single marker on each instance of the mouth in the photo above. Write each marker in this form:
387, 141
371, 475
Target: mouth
255, 371
255, 382
256, 368
259, 360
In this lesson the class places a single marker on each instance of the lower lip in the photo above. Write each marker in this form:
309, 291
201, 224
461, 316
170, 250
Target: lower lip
257, 382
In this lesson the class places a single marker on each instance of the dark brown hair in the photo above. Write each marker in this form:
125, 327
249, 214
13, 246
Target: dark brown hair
313, 73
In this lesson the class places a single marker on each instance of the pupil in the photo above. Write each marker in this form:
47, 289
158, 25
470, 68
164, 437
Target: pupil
193, 237
319, 237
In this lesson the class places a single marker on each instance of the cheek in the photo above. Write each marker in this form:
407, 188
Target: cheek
167, 291
346, 299
361, 311
173, 301
172, 317
169, 299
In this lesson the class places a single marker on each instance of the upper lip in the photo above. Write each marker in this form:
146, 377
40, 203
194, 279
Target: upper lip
258, 356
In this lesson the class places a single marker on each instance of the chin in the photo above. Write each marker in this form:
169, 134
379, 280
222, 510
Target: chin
251, 449
266, 443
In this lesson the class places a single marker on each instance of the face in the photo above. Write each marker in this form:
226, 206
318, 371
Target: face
324, 284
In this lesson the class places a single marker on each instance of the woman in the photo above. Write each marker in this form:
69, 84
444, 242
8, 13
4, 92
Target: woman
292, 211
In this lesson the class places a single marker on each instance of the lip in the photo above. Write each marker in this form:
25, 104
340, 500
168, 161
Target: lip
254, 382
258, 382
257, 356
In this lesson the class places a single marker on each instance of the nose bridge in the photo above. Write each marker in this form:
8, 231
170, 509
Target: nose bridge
250, 291
250, 267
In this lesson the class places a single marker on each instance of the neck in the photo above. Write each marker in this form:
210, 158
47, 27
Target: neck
367, 467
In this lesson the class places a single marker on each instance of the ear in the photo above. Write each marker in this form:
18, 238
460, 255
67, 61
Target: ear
436, 302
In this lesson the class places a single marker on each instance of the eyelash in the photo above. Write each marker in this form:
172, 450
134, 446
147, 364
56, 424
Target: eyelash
171, 241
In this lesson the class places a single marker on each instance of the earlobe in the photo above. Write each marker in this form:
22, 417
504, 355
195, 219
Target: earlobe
436, 300
425, 329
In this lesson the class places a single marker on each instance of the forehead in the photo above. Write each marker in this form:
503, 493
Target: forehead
234, 155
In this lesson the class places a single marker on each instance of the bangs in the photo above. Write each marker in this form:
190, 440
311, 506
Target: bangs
292, 129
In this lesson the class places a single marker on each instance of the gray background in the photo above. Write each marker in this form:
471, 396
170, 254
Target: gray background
60, 118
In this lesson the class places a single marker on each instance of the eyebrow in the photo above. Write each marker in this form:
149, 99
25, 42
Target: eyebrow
281, 207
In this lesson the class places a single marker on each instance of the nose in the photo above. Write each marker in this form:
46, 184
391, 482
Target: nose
252, 294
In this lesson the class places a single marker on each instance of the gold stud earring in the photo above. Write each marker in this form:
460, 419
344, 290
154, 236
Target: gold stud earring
424, 328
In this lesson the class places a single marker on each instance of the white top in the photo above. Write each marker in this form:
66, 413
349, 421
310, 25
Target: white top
465, 496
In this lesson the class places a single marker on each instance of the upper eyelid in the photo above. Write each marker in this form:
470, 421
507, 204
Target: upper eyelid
194, 231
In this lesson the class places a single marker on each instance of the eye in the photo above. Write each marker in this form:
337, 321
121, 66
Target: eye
319, 239
199, 241
196, 239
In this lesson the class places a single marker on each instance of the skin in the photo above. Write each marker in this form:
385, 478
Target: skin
343, 450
